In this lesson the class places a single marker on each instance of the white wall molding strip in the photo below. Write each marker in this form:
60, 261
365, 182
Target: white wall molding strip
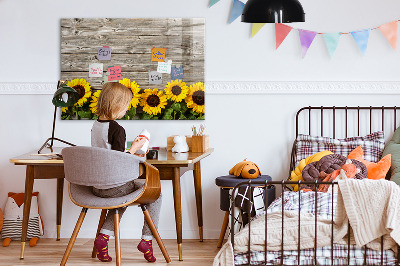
251, 87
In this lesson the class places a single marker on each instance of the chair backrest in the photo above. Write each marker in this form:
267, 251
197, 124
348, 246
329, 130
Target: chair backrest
92, 166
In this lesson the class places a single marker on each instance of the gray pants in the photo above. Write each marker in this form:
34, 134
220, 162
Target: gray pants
154, 208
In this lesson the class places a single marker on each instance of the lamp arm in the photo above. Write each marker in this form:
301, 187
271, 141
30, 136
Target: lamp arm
54, 126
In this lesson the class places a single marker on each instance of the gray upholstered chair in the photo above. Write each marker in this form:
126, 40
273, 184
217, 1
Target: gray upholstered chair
85, 167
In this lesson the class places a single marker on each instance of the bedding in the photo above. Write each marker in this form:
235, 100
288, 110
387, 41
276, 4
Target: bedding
393, 148
372, 144
323, 210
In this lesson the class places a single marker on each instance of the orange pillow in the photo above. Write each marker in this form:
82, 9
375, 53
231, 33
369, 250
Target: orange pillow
375, 170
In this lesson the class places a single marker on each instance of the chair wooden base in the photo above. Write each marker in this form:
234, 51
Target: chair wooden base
78, 225
101, 222
73, 237
156, 235
223, 229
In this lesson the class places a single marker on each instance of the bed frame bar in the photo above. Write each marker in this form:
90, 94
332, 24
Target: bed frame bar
265, 185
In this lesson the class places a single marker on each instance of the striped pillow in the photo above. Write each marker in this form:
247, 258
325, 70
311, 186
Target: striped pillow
372, 145
13, 228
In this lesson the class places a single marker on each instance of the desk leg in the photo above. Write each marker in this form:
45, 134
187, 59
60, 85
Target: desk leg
27, 206
176, 182
199, 204
60, 190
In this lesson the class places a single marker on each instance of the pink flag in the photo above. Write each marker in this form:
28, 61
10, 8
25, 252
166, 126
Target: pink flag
389, 30
281, 31
306, 39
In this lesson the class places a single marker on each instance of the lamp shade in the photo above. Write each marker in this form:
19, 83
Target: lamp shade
273, 11
71, 99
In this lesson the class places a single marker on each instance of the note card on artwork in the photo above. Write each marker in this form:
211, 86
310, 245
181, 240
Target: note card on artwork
177, 72
115, 73
158, 54
155, 77
96, 70
164, 67
104, 53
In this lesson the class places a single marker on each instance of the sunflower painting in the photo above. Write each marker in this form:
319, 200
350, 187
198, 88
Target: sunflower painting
83, 88
196, 98
174, 93
153, 101
176, 90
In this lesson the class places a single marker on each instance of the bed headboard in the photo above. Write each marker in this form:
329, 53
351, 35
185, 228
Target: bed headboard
344, 121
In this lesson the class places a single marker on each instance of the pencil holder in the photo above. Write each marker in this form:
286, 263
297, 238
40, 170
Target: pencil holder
200, 143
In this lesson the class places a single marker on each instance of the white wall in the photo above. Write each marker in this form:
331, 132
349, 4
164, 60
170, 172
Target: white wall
258, 126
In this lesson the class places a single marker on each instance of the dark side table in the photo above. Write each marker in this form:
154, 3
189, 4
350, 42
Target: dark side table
228, 182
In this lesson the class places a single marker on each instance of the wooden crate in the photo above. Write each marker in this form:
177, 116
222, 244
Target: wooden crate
171, 143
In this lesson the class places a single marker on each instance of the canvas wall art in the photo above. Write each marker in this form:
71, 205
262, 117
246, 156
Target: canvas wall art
160, 60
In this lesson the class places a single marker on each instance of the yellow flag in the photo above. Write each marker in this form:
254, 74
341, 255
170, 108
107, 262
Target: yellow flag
256, 27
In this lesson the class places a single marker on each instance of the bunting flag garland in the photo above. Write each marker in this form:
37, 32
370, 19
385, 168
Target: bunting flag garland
361, 37
281, 31
213, 2
332, 41
306, 39
389, 30
237, 9
255, 28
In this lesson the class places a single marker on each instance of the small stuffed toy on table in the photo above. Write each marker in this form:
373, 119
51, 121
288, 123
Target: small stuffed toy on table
245, 169
13, 216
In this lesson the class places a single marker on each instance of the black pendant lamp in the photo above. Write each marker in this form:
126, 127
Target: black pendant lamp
273, 11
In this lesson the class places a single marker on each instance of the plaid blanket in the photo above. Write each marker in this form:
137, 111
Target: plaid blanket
323, 205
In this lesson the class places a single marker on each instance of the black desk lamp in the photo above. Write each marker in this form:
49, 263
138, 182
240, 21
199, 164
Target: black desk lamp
72, 97
272, 11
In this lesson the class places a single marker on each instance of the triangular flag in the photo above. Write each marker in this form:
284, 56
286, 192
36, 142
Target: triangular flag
281, 31
390, 32
255, 28
361, 37
306, 39
237, 9
213, 2
332, 41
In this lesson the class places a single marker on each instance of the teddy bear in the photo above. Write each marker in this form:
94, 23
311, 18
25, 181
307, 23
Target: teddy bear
13, 215
180, 144
245, 169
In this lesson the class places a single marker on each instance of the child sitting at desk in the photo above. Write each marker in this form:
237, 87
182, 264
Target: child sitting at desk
106, 133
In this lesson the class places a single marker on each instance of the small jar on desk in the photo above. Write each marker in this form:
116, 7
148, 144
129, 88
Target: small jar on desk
228, 182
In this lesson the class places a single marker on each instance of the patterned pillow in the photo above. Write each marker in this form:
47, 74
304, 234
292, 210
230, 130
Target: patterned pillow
372, 145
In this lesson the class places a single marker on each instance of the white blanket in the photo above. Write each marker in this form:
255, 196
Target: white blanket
371, 206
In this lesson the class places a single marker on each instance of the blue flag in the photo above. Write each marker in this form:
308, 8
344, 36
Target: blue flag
361, 38
213, 2
332, 41
237, 9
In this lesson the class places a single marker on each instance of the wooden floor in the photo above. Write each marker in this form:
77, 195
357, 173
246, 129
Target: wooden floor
50, 252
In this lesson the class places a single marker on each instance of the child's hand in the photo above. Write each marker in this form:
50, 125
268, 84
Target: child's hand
142, 155
137, 144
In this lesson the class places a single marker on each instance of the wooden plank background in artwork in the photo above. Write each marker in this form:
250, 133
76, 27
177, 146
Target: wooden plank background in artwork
131, 41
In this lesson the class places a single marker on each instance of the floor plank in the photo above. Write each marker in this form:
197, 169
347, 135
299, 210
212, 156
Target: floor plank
49, 252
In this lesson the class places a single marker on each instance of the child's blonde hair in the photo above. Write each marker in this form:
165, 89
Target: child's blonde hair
113, 97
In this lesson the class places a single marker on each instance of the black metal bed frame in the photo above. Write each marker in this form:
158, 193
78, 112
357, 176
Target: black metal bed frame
283, 184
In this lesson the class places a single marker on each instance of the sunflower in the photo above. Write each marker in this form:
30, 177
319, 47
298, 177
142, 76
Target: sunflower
195, 98
94, 101
135, 90
153, 101
83, 89
176, 90
64, 109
